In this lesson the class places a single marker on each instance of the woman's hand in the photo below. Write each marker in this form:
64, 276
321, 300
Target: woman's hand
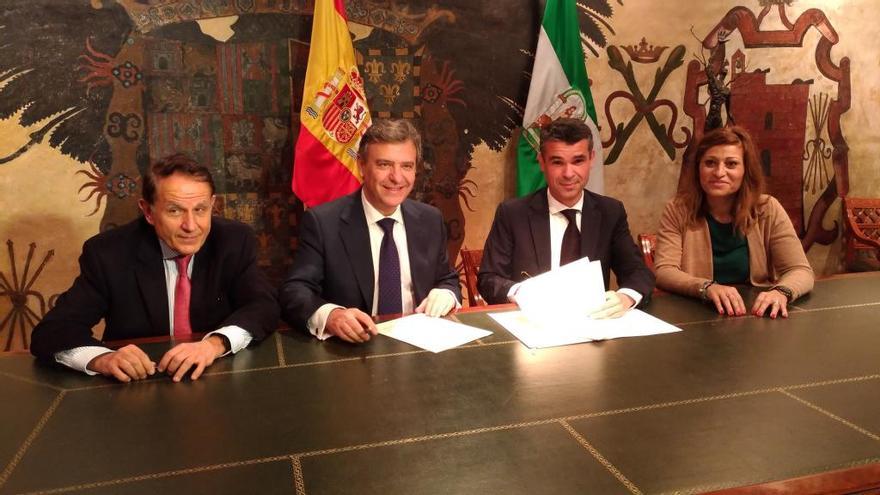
726, 299
775, 300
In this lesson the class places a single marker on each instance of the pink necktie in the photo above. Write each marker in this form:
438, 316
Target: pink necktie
181, 298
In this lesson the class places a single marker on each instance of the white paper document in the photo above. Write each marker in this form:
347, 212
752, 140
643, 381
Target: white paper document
538, 333
431, 334
569, 292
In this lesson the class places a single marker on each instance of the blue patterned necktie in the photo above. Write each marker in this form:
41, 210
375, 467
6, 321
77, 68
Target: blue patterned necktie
571, 239
390, 301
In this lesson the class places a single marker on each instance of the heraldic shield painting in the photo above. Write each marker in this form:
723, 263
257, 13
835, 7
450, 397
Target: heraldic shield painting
794, 114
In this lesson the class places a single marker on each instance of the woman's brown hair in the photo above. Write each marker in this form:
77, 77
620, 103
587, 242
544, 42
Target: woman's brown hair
745, 207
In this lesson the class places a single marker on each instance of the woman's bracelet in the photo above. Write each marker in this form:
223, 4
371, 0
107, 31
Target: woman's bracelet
705, 288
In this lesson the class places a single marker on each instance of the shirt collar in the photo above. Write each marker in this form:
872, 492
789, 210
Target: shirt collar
168, 253
373, 215
556, 206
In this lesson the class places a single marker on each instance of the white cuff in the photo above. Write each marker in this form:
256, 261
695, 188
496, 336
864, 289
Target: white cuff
631, 293
318, 321
79, 358
511, 293
239, 338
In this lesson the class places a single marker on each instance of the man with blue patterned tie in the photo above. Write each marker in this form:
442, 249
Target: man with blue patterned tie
374, 251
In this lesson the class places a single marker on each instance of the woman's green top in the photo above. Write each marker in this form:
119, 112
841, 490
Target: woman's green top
730, 253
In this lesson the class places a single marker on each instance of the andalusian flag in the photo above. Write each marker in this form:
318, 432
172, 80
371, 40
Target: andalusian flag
559, 88
334, 114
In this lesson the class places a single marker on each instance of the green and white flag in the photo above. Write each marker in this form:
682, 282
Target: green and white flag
559, 88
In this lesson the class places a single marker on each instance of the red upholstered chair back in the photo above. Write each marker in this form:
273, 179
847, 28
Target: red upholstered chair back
647, 243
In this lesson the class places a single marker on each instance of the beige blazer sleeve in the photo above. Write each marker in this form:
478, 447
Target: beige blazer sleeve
683, 257
780, 258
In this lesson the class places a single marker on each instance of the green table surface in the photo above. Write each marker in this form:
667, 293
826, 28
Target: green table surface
727, 402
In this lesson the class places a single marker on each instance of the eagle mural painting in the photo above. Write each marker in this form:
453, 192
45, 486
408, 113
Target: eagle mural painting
117, 84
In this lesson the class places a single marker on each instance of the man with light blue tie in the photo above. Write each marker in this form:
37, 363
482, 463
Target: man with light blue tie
372, 252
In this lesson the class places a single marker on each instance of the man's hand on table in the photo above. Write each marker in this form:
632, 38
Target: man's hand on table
192, 355
125, 364
131, 363
351, 325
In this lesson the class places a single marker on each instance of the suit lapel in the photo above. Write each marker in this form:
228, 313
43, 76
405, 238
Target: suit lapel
356, 241
204, 263
591, 226
417, 234
150, 274
539, 225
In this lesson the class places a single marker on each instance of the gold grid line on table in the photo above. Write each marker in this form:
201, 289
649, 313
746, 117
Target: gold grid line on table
455, 434
35, 432
405, 353
601, 459
831, 415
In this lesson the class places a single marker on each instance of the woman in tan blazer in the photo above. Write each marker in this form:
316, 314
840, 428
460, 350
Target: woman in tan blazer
720, 230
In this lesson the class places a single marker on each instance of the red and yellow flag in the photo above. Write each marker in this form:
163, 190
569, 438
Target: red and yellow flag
334, 113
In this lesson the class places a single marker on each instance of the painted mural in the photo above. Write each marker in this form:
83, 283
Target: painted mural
92, 91
644, 106
795, 116
131, 81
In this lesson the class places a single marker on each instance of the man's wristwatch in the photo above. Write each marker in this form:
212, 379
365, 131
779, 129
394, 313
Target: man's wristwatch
789, 295
705, 288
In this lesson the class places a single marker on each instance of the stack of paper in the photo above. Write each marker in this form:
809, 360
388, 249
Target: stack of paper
555, 308
571, 291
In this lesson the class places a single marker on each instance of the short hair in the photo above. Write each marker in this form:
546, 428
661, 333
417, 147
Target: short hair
569, 131
391, 131
748, 197
174, 164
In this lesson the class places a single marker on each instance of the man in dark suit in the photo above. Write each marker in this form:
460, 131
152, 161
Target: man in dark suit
561, 223
173, 272
374, 251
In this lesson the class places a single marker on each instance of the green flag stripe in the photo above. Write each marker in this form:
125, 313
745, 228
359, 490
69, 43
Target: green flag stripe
561, 24
529, 177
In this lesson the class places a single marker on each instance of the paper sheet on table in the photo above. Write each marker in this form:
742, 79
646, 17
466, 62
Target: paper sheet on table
431, 334
572, 291
539, 334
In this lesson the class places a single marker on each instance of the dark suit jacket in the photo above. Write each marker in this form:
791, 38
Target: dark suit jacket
122, 280
333, 262
518, 245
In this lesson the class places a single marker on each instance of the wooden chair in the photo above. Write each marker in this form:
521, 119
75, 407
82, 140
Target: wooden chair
471, 259
647, 243
862, 233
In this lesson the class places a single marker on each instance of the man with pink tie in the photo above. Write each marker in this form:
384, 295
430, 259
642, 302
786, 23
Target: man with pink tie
174, 271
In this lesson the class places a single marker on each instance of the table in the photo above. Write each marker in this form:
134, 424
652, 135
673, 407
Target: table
728, 402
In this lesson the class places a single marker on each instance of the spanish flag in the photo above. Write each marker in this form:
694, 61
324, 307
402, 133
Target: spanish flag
334, 112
